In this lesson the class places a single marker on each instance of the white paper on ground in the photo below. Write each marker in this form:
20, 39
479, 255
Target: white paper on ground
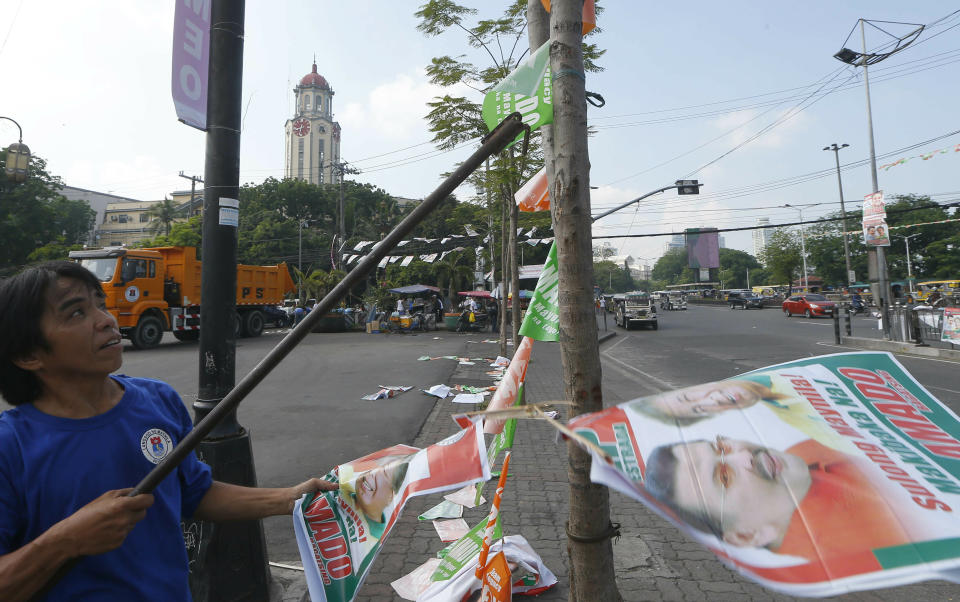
465, 497
440, 391
468, 398
415, 582
451, 530
444, 509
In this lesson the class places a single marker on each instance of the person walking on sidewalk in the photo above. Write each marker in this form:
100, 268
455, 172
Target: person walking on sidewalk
77, 439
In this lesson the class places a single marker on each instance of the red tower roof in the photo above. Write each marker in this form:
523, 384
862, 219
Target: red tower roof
314, 79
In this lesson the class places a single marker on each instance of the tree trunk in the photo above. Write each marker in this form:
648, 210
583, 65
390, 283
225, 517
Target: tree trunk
591, 563
514, 272
504, 276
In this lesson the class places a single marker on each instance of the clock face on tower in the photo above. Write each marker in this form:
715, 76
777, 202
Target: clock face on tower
301, 127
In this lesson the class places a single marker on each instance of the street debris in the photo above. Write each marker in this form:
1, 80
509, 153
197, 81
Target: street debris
440, 391
469, 398
386, 392
445, 509
451, 530
466, 497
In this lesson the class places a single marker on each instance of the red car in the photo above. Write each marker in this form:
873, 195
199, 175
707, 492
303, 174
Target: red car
809, 305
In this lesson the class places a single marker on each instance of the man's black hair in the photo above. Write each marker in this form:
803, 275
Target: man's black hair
23, 301
660, 481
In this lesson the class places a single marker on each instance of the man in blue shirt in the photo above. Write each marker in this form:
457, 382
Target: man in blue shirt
76, 441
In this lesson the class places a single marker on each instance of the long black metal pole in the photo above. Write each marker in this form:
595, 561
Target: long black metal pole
505, 133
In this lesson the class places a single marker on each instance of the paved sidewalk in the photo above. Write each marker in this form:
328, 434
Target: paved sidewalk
654, 561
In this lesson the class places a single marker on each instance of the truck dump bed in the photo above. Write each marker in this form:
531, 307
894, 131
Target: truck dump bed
256, 285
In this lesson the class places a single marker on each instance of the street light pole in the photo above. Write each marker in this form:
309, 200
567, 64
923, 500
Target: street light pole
843, 210
906, 239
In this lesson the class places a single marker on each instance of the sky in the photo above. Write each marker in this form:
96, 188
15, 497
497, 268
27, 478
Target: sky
688, 86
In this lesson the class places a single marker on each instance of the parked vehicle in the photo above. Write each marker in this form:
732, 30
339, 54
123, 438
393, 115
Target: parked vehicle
464, 324
153, 290
636, 308
745, 301
276, 317
809, 304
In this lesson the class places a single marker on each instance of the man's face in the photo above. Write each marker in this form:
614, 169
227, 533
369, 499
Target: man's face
707, 399
82, 336
752, 490
375, 491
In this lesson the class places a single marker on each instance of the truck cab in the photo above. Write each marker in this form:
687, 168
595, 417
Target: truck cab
133, 282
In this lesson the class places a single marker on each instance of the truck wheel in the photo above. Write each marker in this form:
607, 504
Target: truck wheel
253, 324
148, 333
237, 326
186, 335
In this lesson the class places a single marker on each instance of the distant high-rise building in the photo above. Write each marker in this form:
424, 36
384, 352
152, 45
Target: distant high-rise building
761, 236
677, 241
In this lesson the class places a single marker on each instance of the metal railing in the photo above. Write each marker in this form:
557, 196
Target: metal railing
920, 325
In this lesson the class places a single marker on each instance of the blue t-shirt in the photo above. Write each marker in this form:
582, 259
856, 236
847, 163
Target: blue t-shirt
50, 467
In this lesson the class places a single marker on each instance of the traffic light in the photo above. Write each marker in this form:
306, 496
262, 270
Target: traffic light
688, 186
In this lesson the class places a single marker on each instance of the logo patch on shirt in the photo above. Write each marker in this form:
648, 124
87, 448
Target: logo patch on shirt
155, 445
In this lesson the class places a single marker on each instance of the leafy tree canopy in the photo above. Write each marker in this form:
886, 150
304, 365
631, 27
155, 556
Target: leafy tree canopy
34, 216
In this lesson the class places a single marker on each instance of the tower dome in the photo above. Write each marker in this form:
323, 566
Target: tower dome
314, 79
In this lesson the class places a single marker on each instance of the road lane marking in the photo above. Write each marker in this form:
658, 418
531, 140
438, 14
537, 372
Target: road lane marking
942, 389
665, 386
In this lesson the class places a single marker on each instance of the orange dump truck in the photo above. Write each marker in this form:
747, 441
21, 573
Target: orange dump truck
157, 289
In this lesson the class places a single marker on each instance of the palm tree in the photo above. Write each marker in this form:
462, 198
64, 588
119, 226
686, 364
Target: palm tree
162, 216
451, 272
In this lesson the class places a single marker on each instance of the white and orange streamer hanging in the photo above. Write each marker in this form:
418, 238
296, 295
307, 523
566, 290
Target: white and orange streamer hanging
492, 518
534, 195
506, 393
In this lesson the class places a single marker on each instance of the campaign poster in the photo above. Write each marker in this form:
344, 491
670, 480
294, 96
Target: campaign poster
951, 325
816, 477
340, 532
875, 232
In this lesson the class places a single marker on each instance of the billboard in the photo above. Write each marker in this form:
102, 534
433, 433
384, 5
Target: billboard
703, 247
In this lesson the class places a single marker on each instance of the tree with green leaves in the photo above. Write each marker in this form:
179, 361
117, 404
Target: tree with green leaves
162, 216
734, 265
36, 219
782, 256
454, 272
672, 268
612, 277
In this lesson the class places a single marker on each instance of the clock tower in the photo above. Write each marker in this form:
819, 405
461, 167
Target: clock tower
312, 137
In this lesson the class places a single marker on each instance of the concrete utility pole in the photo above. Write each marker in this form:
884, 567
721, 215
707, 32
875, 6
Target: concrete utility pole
588, 529
341, 168
843, 211
193, 187
230, 561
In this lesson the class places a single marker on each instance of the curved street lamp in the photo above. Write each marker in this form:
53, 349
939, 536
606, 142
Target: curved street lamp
18, 157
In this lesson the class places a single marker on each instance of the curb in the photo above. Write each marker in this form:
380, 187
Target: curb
606, 336
900, 347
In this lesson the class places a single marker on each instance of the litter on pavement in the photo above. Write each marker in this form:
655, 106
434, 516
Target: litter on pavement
445, 509
465, 497
468, 398
386, 392
440, 391
451, 530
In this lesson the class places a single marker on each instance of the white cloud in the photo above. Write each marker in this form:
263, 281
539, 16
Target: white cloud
747, 123
392, 110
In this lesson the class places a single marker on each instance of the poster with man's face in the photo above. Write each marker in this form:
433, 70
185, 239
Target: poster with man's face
339, 533
814, 477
